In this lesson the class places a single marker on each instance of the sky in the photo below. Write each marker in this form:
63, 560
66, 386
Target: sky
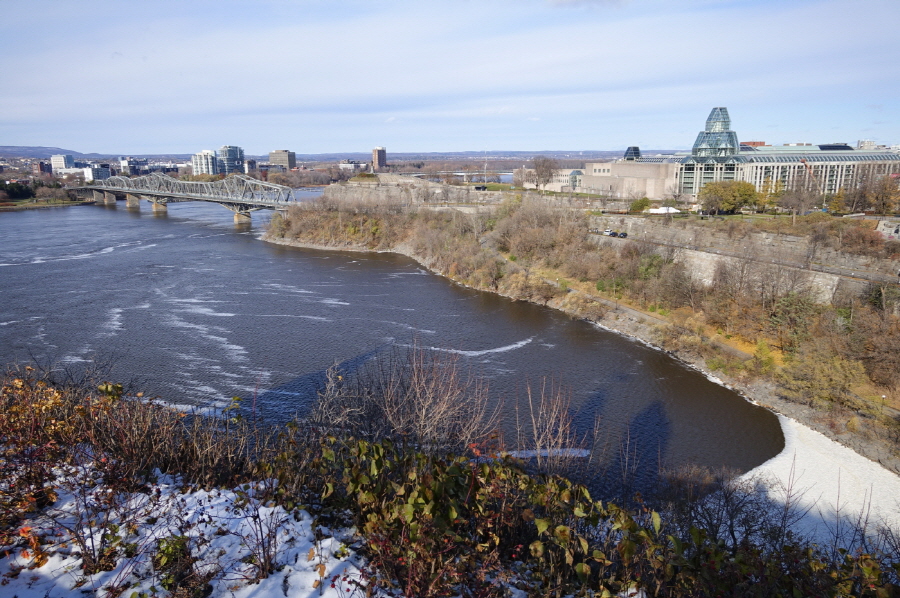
317, 76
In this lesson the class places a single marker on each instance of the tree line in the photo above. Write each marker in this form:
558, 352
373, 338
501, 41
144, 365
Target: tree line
879, 194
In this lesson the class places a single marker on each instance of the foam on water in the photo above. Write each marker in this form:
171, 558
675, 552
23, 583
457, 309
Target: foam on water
302, 317
285, 287
505, 349
234, 352
205, 311
113, 323
330, 301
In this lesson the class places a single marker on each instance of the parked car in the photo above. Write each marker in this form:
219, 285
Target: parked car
607, 232
613, 234
623, 235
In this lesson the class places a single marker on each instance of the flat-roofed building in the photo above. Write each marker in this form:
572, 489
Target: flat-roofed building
60, 161
353, 165
283, 158
206, 162
97, 172
231, 159
632, 178
379, 158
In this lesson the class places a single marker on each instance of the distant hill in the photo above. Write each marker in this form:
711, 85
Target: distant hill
26, 151
44, 153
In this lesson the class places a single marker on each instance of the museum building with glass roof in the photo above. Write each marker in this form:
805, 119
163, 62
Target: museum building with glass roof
717, 155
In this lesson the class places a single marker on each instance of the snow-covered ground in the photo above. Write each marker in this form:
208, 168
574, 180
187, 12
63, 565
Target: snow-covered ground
224, 528
830, 482
227, 528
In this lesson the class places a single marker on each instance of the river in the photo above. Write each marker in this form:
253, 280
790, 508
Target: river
197, 311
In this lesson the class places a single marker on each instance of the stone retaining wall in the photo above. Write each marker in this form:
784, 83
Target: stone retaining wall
828, 272
395, 189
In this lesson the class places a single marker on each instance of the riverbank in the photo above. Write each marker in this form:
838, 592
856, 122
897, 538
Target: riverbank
816, 456
43, 206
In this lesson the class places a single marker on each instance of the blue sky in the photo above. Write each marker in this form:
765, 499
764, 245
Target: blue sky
432, 75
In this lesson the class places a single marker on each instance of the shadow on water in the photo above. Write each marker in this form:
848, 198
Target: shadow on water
296, 396
637, 458
629, 456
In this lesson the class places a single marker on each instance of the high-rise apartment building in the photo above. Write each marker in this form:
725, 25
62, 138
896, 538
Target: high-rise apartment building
283, 158
206, 162
379, 158
231, 159
62, 161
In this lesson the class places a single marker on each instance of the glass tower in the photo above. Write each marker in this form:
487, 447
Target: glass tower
231, 159
633, 153
718, 140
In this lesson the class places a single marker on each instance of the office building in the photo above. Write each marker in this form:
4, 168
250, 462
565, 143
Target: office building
353, 165
231, 159
97, 172
39, 168
283, 158
206, 162
133, 166
379, 158
61, 161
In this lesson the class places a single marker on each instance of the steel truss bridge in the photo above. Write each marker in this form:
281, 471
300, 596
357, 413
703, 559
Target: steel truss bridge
239, 193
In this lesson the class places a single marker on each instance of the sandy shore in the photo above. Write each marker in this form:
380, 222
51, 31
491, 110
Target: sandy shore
834, 480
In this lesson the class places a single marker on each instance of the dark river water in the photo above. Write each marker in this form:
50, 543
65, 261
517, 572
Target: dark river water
199, 311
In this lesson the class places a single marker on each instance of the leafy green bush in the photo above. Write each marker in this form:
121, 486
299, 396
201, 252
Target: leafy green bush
639, 205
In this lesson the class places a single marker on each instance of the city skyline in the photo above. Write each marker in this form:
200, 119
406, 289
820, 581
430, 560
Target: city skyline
498, 75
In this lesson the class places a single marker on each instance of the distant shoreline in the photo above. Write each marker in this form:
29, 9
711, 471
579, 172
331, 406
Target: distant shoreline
24, 207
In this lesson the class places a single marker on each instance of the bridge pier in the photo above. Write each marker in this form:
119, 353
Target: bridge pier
132, 201
104, 197
242, 218
160, 208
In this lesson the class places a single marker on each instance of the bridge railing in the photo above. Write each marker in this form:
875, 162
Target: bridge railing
237, 188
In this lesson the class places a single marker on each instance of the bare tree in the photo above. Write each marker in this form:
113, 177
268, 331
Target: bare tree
417, 396
859, 197
519, 177
547, 436
884, 195
470, 173
544, 169
802, 195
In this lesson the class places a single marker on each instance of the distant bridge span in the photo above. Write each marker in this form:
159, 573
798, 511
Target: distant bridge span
239, 193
